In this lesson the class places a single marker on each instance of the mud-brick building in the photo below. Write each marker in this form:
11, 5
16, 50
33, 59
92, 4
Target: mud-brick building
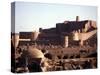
66, 34
72, 32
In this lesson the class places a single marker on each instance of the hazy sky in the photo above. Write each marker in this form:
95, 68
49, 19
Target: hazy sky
31, 16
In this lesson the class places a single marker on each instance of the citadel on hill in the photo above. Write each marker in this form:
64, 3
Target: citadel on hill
65, 34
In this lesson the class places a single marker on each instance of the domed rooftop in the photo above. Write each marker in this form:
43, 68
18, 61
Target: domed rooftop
35, 53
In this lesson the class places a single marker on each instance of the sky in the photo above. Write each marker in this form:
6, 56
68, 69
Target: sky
30, 16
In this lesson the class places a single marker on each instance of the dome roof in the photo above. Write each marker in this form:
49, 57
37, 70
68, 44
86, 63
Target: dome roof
35, 53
